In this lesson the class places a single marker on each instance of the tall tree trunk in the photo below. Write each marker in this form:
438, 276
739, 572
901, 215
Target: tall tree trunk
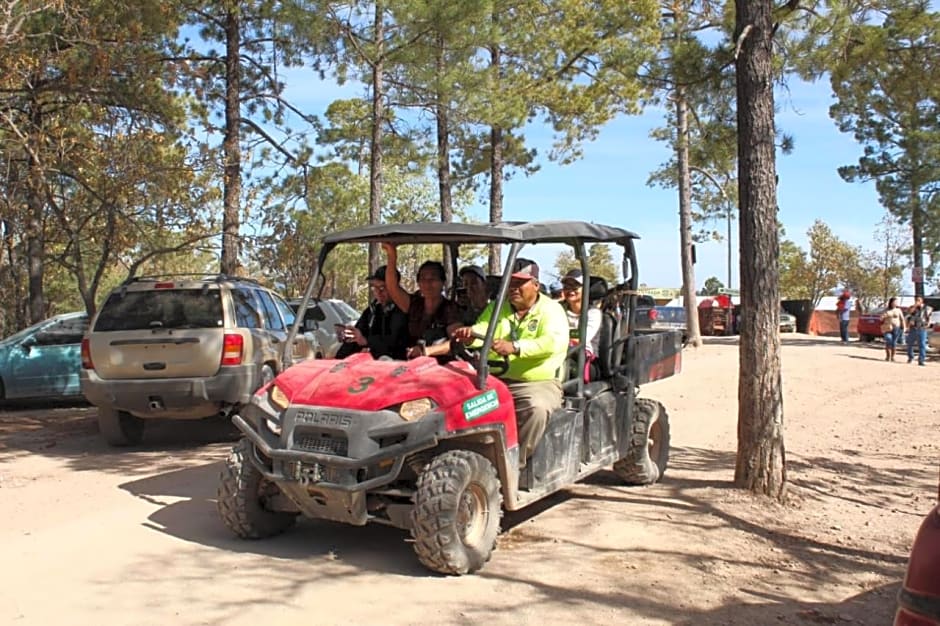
917, 233
497, 164
35, 237
685, 219
378, 119
231, 144
496, 193
761, 458
11, 279
443, 157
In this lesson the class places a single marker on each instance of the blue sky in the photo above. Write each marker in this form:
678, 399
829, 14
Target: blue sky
608, 185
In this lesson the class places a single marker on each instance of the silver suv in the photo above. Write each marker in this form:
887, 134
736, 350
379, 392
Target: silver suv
320, 321
183, 348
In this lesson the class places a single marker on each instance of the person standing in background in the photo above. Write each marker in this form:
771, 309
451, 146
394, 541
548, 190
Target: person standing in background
844, 308
918, 317
892, 326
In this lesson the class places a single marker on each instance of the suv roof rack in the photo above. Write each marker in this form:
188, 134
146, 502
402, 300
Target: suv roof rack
197, 276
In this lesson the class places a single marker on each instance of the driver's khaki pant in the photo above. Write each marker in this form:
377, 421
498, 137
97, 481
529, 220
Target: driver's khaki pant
534, 402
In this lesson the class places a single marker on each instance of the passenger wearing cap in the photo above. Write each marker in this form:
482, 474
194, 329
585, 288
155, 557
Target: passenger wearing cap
382, 328
573, 290
475, 299
532, 331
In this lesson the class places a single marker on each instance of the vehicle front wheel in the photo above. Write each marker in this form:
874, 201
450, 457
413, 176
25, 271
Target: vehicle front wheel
120, 428
455, 519
648, 454
243, 497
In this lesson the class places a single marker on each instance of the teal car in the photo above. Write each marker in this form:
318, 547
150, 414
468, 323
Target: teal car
43, 361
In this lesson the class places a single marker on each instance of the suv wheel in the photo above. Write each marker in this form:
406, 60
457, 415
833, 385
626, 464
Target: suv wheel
243, 495
120, 428
455, 519
648, 454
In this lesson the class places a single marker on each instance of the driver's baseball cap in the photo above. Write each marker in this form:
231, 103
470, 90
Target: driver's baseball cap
525, 268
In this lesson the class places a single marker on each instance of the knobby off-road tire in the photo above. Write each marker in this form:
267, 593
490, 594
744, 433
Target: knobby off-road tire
241, 498
455, 520
648, 454
120, 428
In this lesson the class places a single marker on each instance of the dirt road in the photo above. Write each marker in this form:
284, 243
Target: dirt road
92, 535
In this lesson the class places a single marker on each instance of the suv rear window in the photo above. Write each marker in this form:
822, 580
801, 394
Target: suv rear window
346, 312
161, 308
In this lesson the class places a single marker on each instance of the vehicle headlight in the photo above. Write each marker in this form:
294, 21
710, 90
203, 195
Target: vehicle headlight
278, 398
274, 427
415, 409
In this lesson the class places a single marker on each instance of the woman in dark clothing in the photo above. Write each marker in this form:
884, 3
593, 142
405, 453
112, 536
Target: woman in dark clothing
382, 327
429, 312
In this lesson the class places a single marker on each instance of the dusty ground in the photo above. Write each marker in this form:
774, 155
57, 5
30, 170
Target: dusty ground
91, 535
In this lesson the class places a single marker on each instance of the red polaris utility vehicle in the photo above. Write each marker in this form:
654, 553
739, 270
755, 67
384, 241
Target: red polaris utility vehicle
432, 448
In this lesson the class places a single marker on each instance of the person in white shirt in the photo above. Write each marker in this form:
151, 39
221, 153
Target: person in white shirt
572, 291
845, 313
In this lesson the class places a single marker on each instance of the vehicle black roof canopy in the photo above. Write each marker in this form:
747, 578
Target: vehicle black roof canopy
558, 231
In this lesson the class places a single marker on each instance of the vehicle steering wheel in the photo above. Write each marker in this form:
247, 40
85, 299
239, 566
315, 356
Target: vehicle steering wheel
462, 352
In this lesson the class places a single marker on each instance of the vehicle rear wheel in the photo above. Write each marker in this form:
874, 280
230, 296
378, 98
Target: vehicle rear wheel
243, 495
120, 428
455, 519
648, 454
866, 338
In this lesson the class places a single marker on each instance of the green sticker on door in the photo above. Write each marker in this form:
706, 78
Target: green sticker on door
479, 406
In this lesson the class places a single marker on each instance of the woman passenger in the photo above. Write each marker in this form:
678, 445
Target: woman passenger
572, 300
429, 312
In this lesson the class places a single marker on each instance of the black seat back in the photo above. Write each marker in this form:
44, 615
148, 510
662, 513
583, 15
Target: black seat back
607, 349
597, 289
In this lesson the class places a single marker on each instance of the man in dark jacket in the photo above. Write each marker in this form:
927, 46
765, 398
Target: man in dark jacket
382, 328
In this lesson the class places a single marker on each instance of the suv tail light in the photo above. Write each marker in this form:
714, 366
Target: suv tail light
86, 355
653, 314
232, 349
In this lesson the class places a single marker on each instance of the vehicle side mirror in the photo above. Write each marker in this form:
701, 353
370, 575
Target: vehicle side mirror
27, 344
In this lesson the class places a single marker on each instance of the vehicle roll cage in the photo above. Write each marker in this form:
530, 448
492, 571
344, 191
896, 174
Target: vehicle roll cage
517, 235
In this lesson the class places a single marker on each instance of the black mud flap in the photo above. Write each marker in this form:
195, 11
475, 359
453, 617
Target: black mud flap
654, 355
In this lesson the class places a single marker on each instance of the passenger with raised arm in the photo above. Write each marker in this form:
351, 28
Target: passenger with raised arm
429, 312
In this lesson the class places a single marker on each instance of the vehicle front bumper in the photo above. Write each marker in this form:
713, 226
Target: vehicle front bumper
327, 469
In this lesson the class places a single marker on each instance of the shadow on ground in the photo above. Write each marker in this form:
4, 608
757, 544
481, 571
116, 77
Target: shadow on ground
192, 516
70, 433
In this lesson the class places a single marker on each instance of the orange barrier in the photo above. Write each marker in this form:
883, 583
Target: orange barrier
827, 323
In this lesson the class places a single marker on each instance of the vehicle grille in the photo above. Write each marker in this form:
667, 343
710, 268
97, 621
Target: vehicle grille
322, 444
